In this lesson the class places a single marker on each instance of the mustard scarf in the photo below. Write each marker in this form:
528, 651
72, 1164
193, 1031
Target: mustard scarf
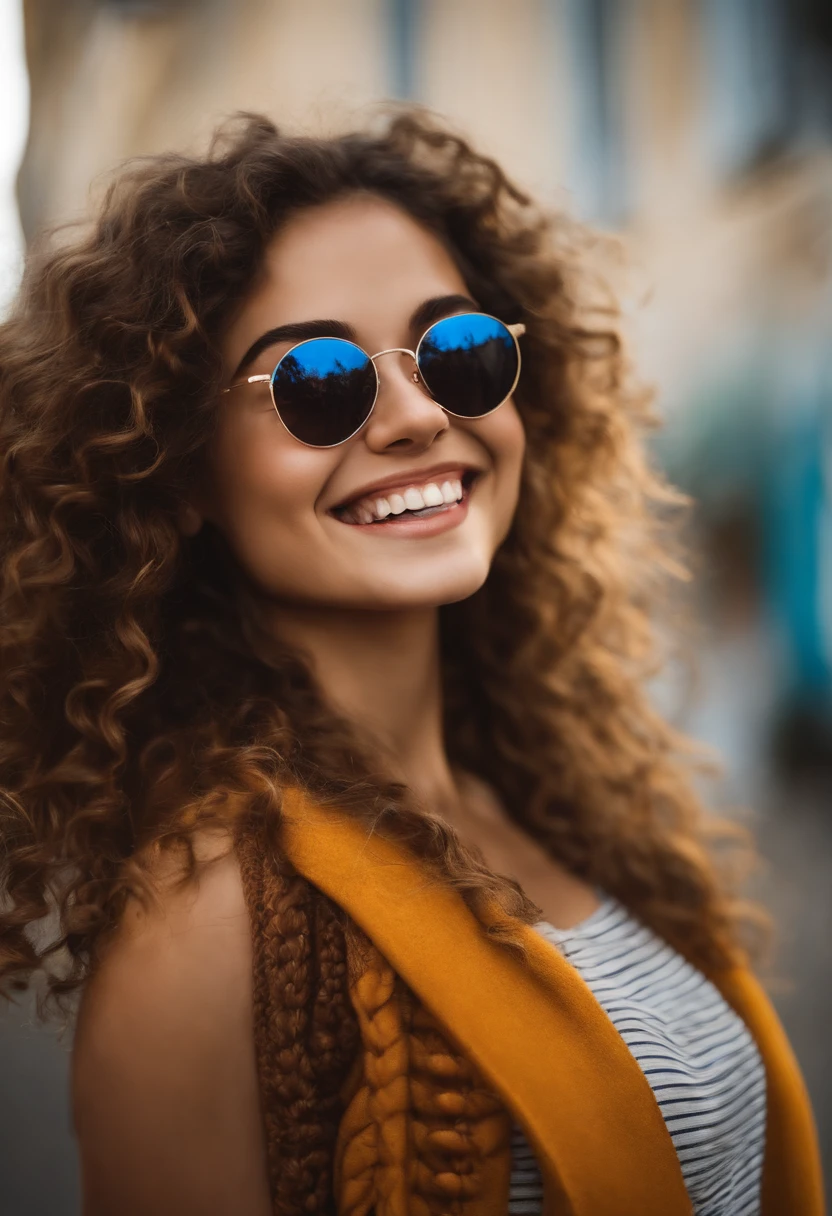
535, 1031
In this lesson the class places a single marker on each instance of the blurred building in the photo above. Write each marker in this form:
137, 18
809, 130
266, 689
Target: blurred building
701, 130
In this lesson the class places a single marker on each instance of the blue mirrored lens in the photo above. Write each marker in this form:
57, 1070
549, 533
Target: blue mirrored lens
469, 363
324, 390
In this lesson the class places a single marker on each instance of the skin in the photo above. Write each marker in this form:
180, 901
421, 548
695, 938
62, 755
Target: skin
164, 1079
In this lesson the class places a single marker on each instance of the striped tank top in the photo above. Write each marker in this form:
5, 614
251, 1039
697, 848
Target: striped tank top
699, 1058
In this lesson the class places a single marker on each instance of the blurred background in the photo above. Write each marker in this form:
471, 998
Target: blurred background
700, 132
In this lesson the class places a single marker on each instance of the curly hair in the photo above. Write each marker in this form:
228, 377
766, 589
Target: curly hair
137, 701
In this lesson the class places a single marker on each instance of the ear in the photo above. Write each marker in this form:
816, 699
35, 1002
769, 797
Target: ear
189, 520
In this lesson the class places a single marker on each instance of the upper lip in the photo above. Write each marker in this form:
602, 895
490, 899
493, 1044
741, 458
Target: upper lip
409, 477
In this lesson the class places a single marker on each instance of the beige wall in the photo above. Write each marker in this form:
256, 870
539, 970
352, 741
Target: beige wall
107, 85
495, 70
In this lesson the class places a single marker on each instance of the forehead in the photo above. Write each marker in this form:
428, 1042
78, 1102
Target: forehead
360, 259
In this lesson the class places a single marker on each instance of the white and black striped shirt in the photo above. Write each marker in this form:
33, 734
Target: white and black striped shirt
696, 1053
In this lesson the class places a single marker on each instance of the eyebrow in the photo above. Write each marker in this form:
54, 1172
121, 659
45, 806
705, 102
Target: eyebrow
298, 331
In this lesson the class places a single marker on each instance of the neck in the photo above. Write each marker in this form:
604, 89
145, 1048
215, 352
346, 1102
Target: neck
381, 670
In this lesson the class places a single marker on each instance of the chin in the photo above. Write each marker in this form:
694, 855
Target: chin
425, 588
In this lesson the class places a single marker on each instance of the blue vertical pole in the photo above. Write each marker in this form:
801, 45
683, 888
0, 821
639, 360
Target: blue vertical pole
404, 18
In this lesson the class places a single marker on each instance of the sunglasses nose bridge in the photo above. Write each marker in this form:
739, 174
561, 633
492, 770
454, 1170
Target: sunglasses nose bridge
399, 350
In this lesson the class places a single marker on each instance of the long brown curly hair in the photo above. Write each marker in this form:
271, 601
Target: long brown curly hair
137, 701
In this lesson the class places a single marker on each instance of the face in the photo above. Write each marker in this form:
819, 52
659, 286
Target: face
302, 521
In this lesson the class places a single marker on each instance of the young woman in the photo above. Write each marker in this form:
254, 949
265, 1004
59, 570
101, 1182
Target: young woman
327, 580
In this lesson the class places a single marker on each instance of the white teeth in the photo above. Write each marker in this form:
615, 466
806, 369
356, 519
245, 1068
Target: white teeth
432, 495
413, 499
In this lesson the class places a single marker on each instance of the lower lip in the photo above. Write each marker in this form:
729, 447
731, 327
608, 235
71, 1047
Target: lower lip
404, 525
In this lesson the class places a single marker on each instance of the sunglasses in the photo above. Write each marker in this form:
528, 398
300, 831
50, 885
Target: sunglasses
324, 389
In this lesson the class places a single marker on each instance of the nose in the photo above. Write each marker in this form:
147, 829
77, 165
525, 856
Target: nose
405, 416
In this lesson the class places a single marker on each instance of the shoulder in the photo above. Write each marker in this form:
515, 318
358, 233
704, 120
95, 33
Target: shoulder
164, 1081
188, 943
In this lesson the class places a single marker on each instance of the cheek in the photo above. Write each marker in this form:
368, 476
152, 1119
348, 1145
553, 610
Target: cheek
262, 489
511, 437
503, 435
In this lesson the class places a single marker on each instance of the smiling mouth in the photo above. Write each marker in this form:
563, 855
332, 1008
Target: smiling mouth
412, 502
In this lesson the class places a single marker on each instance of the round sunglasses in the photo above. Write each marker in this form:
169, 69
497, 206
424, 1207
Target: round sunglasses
324, 389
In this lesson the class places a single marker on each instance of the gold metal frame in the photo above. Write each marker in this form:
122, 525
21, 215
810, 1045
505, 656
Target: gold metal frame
516, 332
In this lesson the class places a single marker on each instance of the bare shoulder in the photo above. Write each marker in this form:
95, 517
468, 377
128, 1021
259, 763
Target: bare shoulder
191, 945
209, 904
164, 1082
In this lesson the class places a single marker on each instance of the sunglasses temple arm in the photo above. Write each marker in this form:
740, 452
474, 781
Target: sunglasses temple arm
517, 330
248, 380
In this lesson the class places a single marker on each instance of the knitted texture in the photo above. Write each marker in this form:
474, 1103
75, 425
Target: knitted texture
423, 1135
367, 1106
305, 1030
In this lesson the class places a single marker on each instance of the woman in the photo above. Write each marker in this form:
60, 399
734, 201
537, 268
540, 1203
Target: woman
324, 627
